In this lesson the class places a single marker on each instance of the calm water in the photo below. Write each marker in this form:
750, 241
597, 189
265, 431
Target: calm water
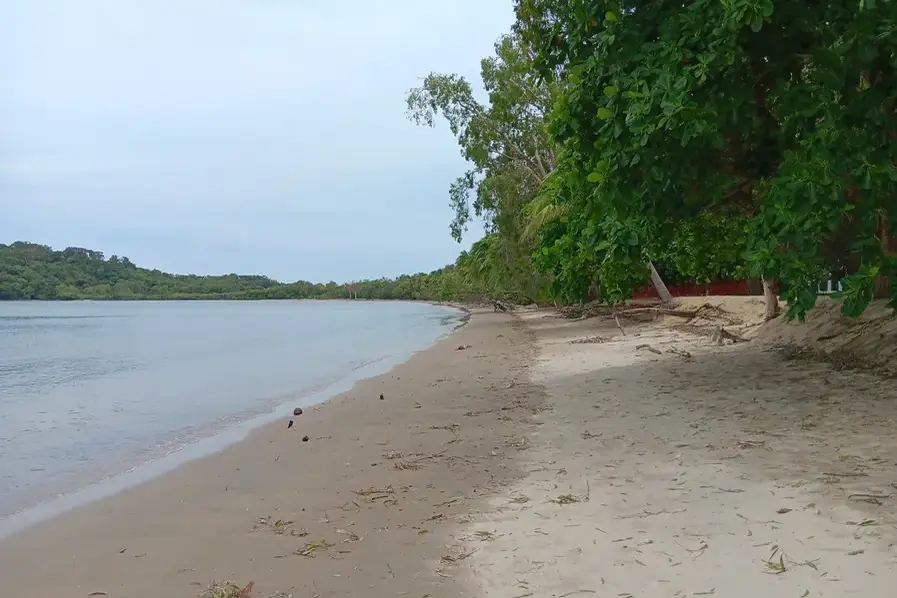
92, 389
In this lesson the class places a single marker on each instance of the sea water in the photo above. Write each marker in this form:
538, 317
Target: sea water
90, 390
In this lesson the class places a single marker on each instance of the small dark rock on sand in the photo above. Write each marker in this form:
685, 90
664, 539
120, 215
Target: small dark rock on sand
381, 396
290, 425
297, 411
305, 439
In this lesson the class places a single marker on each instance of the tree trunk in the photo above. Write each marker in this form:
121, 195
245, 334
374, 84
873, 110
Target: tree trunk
772, 301
882, 284
662, 290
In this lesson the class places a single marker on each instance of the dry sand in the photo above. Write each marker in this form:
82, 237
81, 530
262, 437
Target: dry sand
526, 465
700, 471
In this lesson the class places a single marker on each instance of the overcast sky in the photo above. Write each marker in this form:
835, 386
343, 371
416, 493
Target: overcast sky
217, 136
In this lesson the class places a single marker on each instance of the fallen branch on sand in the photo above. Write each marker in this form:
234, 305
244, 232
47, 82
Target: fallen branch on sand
649, 348
450, 558
874, 499
661, 311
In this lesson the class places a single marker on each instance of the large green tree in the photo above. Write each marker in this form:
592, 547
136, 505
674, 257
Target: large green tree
779, 116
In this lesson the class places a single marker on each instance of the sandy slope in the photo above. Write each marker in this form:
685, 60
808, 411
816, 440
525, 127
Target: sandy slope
443, 437
732, 473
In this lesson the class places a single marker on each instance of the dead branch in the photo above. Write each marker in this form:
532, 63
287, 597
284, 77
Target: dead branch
649, 348
620, 326
663, 311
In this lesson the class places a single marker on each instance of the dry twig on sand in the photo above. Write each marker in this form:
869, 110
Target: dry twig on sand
569, 499
278, 527
451, 558
450, 427
372, 491
591, 340
620, 326
649, 348
227, 589
874, 499
748, 444
312, 547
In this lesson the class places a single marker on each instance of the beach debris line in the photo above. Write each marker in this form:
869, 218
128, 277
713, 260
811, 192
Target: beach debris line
297, 411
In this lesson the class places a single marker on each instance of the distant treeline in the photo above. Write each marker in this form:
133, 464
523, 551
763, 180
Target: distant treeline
31, 271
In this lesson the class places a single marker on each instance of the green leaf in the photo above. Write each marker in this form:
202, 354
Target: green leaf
610, 16
595, 177
610, 91
756, 23
605, 113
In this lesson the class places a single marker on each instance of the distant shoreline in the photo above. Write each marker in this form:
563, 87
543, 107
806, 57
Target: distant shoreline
34, 272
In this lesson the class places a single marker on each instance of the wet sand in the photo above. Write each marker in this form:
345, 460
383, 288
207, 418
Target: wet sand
366, 507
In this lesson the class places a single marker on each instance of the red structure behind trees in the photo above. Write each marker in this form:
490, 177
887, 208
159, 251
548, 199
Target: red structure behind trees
723, 287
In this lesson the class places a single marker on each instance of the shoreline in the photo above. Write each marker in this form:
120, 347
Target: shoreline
188, 520
207, 445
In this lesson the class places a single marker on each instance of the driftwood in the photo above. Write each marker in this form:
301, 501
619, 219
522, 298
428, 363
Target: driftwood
660, 311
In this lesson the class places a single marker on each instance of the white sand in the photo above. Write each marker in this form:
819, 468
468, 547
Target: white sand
693, 477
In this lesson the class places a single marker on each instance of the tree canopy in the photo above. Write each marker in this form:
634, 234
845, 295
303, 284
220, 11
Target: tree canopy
761, 132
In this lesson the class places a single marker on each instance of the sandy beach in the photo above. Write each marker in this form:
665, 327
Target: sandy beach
363, 506
548, 457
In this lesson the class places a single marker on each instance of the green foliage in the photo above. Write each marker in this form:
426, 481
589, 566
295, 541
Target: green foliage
30, 271
781, 116
507, 144
708, 247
